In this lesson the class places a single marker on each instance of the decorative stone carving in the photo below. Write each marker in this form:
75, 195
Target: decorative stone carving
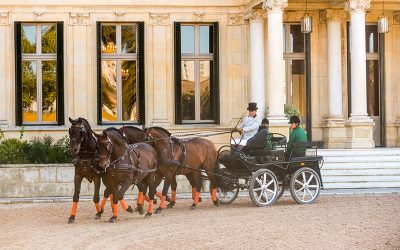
198, 16
255, 15
159, 19
79, 18
293, 16
275, 5
332, 15
120, 15
38, 15
236, 19
396, 17
358, 6
4, 18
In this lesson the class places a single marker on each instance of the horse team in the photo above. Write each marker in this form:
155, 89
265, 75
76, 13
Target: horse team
130, 156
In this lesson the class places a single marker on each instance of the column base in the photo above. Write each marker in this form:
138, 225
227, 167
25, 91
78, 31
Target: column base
397, 124
278, 124
334, 132
360, 132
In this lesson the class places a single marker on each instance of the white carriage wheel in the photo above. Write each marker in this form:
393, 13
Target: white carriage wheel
305, 186
264, 188
226, 196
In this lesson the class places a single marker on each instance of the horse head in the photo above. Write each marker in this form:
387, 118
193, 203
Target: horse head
77, 133
133, 134
110, 145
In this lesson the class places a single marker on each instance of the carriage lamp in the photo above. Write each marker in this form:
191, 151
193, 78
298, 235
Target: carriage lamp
383, 21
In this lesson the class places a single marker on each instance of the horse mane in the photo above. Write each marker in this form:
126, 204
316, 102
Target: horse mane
133, 127
116, 130
86, 124
162, 129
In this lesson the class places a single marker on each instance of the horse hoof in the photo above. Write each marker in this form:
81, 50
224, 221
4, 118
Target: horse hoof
171, 204
158, 210
140, 210
112, 219
147, 216
193, 207
71, 219
97, 216
216, 203
167, 198
129, 209
154, 201
200, 199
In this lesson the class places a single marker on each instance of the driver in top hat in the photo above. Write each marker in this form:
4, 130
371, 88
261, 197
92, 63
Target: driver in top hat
249, 127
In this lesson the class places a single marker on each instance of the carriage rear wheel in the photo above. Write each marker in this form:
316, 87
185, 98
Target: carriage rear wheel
305, 186
264, 188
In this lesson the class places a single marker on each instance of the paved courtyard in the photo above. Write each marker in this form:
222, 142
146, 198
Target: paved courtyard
334, 222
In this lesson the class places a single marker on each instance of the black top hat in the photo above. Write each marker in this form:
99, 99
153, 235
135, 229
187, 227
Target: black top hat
294, 119
252, 106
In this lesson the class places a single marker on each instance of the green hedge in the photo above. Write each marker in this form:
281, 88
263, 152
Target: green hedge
37, 150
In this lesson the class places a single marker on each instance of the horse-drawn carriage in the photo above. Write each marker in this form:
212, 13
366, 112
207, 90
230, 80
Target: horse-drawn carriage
267, 173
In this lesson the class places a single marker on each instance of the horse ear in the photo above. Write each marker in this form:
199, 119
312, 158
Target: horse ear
79, 120
143, 127
70, 120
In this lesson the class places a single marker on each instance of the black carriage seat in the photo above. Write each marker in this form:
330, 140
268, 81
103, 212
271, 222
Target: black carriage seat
266, 152
307, 159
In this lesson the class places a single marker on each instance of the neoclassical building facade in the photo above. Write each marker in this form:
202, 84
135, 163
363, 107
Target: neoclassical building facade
194, 65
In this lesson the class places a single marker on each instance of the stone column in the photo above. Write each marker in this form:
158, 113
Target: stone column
359, 126
159, 30
257, 83
276, 81
4, 35
334, 129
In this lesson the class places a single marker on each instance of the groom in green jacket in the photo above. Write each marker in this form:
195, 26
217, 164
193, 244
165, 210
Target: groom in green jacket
296, 135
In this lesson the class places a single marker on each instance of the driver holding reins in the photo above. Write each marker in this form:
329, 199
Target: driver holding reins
249, 127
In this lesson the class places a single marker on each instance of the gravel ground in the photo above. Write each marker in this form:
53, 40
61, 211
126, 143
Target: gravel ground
334, 222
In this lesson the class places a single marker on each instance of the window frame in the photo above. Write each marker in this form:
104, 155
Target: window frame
138, 57
197, 58
38, 58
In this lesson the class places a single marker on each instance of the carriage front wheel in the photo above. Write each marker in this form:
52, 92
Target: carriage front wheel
263, 188
305, 186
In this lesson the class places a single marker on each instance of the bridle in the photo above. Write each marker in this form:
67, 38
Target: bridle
83, 130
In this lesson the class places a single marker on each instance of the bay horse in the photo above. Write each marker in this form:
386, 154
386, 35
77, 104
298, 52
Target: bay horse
83, 149
186, 157
126, 164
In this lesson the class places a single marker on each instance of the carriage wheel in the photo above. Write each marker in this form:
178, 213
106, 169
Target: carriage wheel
226, 196
305, 186
263, 188
281, 190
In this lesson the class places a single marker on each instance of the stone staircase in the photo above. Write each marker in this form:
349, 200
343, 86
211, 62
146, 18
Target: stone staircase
361, 168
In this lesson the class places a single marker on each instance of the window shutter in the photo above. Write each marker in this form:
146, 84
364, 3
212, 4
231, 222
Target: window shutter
99, 93
142, 102
215, 73
177, 73
18, 74
308, 87
60, 74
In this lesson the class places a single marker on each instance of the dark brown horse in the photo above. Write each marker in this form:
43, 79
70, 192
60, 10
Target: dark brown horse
186, 157
83, 149
126, 165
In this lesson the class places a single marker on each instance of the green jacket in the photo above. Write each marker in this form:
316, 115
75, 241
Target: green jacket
297, 135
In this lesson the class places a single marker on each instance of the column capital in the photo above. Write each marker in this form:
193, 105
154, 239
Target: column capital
358, 6
396, 17
332, 15
236, 19
254, 16
274, 5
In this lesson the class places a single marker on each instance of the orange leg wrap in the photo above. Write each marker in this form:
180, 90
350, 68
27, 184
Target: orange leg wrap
115, 210
159, 195
162, 204
173, 196
214, 194
74, 208
103, 202
123, 204
150, 208
196, 198
98, 207
140, 198
146, 198
193, 192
